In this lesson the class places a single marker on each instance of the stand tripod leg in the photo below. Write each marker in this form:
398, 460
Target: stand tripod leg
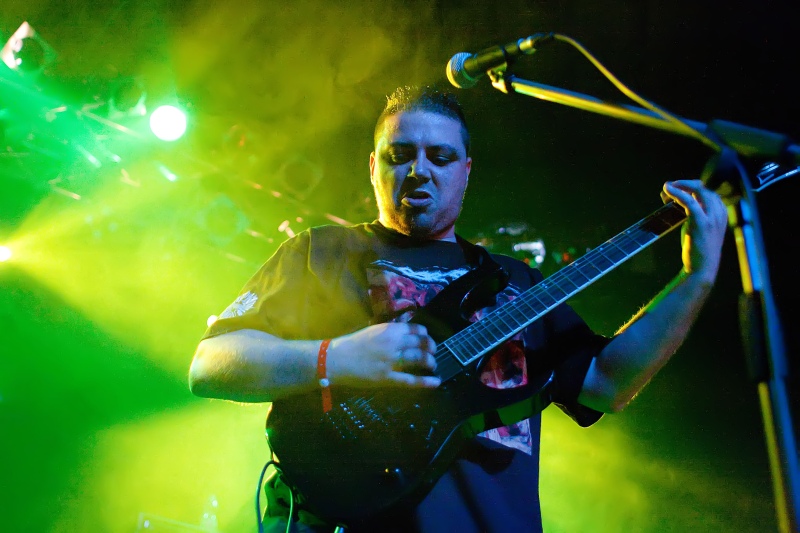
766, 360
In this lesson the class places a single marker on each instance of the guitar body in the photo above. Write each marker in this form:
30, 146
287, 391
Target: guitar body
376, 448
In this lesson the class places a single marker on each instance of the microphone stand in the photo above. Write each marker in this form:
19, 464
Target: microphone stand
758, 315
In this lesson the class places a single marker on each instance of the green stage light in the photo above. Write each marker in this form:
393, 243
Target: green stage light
5, 254
168, 123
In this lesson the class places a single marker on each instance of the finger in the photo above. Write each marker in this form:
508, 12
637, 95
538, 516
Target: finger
417, 329
691, 185
430, 361
421, 342
415, 358
410, 380
709, 202
681, 196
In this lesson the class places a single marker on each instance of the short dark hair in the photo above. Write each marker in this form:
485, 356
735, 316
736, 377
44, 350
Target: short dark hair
425, 98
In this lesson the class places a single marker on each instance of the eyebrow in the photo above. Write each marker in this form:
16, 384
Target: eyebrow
440, 147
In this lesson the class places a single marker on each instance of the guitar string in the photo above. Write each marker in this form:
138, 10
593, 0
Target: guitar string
557, 281
635, 235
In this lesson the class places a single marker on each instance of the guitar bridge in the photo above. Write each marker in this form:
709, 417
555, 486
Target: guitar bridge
354, 417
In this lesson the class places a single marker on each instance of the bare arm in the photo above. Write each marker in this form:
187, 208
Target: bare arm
644, 345
253, 366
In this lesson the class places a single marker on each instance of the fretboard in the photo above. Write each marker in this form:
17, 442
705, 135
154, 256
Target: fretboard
475, 340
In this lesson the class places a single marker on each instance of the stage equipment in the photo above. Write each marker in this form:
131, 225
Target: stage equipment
725, 172
26, 52
516, 239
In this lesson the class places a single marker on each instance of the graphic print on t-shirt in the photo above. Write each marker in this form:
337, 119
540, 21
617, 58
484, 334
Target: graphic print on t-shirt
397, 291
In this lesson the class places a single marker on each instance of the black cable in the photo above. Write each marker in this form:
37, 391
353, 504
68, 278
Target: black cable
259, 520
676, 121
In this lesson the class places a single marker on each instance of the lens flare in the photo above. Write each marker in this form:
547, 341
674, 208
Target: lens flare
168, 123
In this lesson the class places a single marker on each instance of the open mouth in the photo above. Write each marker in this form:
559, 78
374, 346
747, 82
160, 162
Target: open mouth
417, 199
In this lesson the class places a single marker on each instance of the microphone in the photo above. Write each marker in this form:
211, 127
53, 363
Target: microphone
464, 69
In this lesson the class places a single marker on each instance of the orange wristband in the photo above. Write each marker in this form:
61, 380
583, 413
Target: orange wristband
322, 376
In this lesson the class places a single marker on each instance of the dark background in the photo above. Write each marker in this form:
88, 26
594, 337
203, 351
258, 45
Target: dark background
98, 330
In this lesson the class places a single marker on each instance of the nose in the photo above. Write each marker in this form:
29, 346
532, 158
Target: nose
420, 167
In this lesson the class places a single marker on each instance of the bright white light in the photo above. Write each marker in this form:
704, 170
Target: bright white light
5, 254
211, 320
536, 248
168, 123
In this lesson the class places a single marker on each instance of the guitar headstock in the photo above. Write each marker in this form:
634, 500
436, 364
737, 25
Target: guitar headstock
771, 173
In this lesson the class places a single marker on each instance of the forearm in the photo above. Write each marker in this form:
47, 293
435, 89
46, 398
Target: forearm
644, 344
252, 366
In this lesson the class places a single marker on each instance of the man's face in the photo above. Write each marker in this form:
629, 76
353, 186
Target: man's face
419, 171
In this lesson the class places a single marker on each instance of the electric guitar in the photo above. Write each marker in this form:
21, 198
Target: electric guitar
376, 449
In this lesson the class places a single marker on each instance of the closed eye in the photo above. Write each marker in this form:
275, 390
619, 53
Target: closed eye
442, 161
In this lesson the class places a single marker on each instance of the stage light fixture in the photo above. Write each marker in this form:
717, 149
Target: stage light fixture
26, 52
168, 123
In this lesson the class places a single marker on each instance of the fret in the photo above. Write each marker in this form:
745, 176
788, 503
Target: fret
600, 260
585, 269
643, 238
580, 275
501, 317
479, 331
493, 328
614, 253
564, 287
449, 344
514, 311
522, 301
534, 302
543, 296
463, 347
577, 277
627, 245
516, 322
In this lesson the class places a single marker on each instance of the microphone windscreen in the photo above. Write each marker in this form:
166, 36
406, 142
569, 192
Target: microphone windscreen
456, 73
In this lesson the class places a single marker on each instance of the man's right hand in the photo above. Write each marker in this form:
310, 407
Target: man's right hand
395, 353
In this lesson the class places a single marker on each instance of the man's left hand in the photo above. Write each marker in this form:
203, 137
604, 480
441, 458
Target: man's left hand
703, 233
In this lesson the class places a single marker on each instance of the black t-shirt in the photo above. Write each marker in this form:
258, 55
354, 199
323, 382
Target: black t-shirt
332, 280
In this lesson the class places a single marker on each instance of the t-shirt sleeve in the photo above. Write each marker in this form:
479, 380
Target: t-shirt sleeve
570, 347
573, 346
275, 300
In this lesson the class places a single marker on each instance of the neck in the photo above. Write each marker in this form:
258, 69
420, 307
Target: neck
448, 235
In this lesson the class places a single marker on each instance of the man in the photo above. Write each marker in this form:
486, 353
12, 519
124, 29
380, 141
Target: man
358, 287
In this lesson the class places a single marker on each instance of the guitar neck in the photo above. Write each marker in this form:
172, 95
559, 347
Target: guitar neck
475, 340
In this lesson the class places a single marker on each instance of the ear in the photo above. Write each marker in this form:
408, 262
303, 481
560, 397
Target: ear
469, 168
372, 167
